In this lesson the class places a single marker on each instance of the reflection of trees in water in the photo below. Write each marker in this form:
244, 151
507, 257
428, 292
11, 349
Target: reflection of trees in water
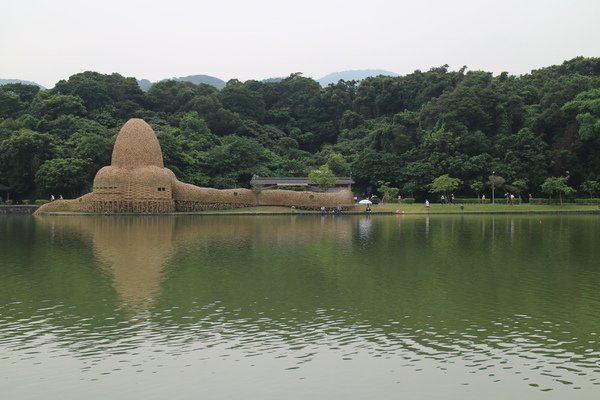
386, 279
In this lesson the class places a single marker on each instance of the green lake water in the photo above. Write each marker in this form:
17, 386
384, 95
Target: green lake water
300, 307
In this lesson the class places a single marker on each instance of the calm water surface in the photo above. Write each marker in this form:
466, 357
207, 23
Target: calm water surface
299, 307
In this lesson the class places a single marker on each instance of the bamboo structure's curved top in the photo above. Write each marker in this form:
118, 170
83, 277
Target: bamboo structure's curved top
136, 146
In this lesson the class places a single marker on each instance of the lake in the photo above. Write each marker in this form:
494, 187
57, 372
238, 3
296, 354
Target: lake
299, 307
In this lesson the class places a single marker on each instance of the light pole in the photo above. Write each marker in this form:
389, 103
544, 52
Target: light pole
493, 184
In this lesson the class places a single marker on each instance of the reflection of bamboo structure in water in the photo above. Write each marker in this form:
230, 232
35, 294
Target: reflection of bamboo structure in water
134, 250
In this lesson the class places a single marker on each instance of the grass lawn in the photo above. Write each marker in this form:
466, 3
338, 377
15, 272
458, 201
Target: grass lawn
476, 208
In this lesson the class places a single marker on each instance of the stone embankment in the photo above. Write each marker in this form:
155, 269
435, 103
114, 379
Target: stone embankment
5, 209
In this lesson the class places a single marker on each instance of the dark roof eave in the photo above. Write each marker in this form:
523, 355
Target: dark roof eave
294, 180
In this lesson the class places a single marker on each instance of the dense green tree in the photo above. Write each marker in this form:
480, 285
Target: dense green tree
525, 156
519, 186
172, 96
16, 98
20, 157
444, 184
469, 107
590, 187
64, 126
95, 149
372, 167
586, 107
52, 106
495, 183
337, 99
390, 194
557, 185
121, 97
405, 130
477, 187
63, 176
232, 163
415, 177
338, 164
239, 98
323, 176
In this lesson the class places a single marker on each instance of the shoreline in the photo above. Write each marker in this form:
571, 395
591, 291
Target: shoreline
387, 209
352, 213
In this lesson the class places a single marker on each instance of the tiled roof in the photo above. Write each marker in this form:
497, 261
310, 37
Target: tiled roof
291, 181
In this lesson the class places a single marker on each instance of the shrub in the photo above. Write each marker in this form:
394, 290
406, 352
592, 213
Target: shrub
8, 202
587, 201
542, 201
408, 200
469, 201
40, 202
26, 202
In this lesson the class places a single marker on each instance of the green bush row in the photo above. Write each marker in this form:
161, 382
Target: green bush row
538, 201
472, 200
543, 201
587, 201
570, 201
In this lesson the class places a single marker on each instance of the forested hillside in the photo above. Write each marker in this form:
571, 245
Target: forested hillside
405, 130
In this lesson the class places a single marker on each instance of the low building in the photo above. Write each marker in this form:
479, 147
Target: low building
297, 183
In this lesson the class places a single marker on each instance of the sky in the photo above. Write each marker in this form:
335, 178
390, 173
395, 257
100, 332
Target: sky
45, 41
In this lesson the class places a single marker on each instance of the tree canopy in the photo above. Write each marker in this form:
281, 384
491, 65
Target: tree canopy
405, 131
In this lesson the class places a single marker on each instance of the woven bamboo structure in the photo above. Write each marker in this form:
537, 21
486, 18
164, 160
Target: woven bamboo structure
305, 200
137, 182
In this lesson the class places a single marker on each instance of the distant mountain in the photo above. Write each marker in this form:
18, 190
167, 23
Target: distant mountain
7, 81
197, 79
354, 75
272, 80
145, 84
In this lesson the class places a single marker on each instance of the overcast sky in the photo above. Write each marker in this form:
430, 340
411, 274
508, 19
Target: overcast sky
48, 40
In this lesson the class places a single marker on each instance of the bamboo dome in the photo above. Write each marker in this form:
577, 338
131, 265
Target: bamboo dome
136, 146
136, 180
